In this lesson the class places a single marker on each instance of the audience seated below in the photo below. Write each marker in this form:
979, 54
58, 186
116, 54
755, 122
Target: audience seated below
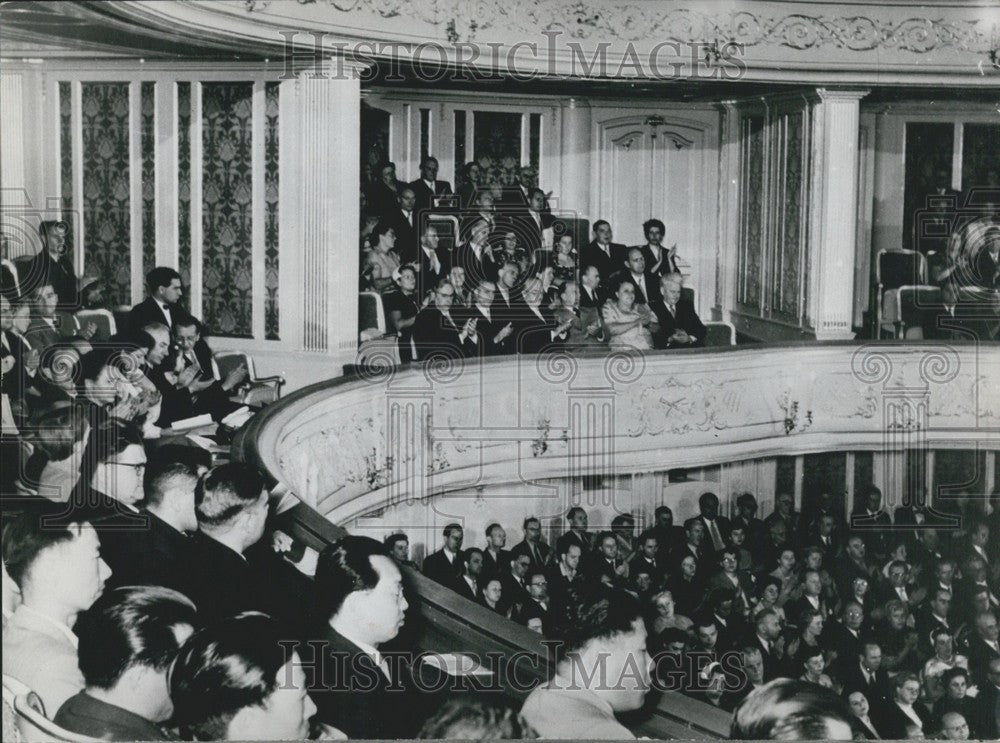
901, 626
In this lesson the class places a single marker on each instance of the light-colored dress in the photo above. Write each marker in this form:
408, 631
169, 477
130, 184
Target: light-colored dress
638, 337
382, 264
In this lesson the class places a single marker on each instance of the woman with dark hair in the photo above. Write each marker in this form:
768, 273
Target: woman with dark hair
659, 260
477, 719
813, 663
382, 261
768, 593
955, 682
235, 680
627, 324
401, 307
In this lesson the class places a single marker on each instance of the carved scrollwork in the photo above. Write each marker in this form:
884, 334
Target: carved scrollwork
654, 22
443, 366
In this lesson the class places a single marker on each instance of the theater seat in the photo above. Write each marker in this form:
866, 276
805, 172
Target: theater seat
24, 717
255, 390
911, 304
895, 269
371, 315
105, 321
720, 334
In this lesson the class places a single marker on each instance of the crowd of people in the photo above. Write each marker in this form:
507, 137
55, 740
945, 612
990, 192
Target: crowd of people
896, 615
514, 281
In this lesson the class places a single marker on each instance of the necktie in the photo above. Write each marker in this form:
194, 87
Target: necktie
534, 553
870, 677
409, 218
902, 593
716, 536
673, 310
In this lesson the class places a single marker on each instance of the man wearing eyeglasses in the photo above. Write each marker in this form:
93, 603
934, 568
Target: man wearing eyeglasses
439, 333
536, 606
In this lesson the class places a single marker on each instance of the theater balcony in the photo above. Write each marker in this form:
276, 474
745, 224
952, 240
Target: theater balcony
413, 448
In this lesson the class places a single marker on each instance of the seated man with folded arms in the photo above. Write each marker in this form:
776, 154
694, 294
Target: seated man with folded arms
56, 563
128, 639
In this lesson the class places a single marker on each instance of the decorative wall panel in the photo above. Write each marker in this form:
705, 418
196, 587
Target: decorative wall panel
106, 197
148, 134
184, 183
497, 145
66, 158
227, 220
751, 213
789, 251
271, 175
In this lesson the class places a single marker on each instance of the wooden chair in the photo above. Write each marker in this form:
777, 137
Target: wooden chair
24, 717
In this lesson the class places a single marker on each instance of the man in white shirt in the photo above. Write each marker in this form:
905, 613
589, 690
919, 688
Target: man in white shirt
58, 568
603, 669
444, 565
427, 187
161, 305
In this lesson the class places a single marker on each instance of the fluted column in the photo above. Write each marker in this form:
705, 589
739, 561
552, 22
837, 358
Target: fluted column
321, 194
833, 212
574, 193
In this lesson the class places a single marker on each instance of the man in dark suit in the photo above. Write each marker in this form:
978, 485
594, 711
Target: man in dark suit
445, 565
577, 532
52, 266
531, 225
866, 675
538, 328
358, 690
565, 574
496, 337
157, 555
873, 524
591, 293
515, 580
161, 305
933, 616
532, 544
717, 528
987, 717
121, 659
984, 647
437, 331
767, 629
536, 605
602, 253
469, 582
845, 636
434, 262
383, 194
645, 559
496, 559
405, 221
46, 327
507, 304
228, 569
427, 187
647, 286
475, 256
680, 326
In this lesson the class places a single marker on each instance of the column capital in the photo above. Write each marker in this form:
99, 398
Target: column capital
840, 94
575, 103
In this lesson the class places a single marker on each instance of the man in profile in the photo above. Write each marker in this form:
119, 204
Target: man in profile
128, 639
355, 688
603, 669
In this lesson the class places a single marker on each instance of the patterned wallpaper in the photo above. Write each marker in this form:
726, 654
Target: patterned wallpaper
227, 220
791, 200
497, 146
106, 216
752, 213
271, 173
148, 133
184, 183
66, 157
980, 164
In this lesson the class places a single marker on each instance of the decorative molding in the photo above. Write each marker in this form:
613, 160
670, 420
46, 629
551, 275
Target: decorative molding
460, 20
624, 413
